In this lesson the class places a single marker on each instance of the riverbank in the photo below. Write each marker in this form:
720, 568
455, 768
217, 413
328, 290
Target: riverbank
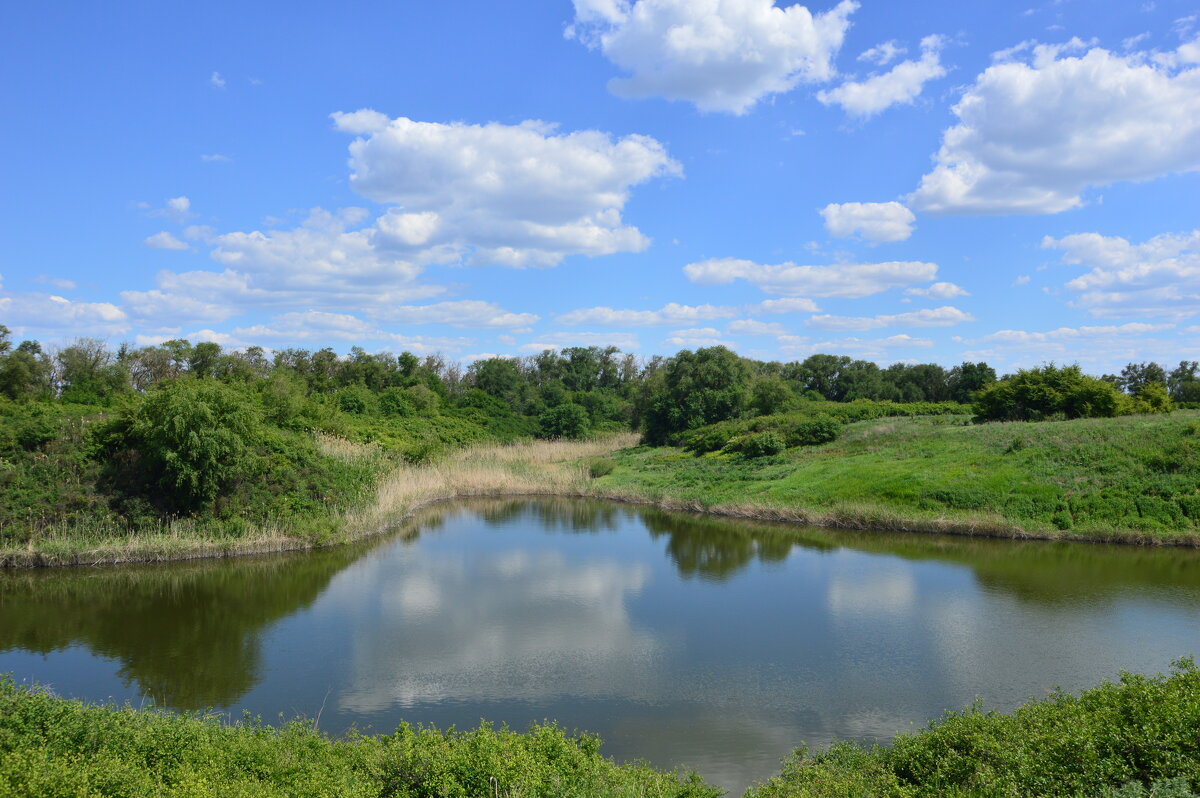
1126, 480
1128, 739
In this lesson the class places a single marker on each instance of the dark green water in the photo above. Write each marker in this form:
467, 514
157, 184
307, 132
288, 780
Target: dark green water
683, 640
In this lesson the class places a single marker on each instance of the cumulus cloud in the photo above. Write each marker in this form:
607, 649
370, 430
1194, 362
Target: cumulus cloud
458, 313
874, 221
788, 305
938, 291
1044, 123
929, 317
164, 240
902, 84
849, 281
755, 327
621, 340
216, 81
515, 195
720, 55
322, 327
867, 348
1159, 277
49, 315
1072, 334
696, 336
883, 53
671, 313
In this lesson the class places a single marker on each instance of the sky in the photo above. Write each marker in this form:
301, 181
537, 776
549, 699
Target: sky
915, 182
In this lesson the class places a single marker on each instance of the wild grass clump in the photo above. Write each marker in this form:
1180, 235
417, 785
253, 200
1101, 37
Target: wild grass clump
1135, 737
50, 746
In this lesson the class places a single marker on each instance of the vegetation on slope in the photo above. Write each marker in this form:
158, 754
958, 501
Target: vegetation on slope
1137, 737
55, 747
1131, 478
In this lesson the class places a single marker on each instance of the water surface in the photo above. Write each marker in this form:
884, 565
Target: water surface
715, 644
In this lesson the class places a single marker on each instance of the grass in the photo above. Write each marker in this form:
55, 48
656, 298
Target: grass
1135, 737
51, 747
1130, 479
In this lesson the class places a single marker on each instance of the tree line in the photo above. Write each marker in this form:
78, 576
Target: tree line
573, 391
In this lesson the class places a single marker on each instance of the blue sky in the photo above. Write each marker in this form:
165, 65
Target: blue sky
932, 182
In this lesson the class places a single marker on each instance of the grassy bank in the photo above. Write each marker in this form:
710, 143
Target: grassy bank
1137, 737
55, 747
532, 467
1130, 479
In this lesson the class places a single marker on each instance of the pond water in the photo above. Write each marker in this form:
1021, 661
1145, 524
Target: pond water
715, 644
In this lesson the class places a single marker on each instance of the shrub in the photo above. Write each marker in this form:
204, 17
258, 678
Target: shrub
814, 432
397, 402
601, 467
757, 444
1048, 392
564, 421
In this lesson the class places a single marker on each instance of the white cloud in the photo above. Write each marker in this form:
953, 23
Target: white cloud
789, 305
1160, 277
1073, 334
849, 281
1021, 280
874, 221
935, 317
57, 282
902, 84
696, 336
164, 240
159, 306
624, 341
515, 195
459, 313
216, 81
1033, 134
721, 55
754, 327
321, 327
215, 157
938, 291
883, 53
48, 315
671, 313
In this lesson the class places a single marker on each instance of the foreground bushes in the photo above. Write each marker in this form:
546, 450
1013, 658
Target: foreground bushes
55, 747
1114, 740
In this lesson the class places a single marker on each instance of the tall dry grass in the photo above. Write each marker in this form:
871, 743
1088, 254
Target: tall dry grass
528, 468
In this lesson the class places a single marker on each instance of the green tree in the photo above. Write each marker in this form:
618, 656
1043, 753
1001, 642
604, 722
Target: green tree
567, 420
191, 437
694, 389
964, 380
1049, 391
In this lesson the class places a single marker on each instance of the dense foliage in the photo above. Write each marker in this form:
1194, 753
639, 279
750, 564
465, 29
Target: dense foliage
1137, 737
54, 747
130, 438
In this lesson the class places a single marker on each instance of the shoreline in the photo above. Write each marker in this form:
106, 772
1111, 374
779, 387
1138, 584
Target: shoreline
534, 469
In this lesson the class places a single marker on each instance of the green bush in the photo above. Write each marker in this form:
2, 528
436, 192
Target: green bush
814, 432
397, 402
564, 421
601, 467
1121, 739
1049, 392
756, 444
